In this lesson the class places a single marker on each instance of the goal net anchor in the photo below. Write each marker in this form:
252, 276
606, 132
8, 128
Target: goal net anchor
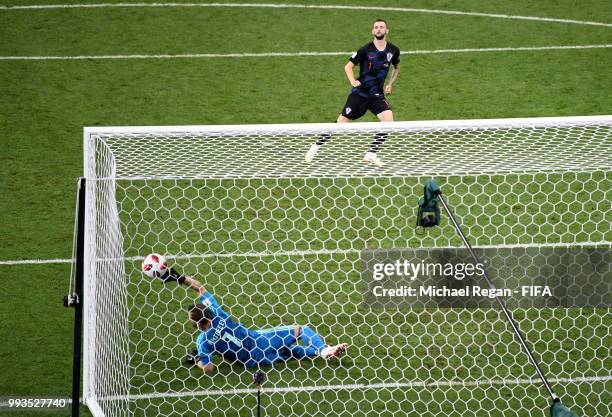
429, 216
259, 377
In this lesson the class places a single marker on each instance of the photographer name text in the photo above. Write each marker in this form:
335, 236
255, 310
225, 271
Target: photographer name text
468, 291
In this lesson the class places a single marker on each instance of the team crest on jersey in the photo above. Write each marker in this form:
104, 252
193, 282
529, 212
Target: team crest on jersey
348, 110
389, 56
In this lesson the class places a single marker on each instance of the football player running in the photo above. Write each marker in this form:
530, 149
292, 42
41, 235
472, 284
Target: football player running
368, 90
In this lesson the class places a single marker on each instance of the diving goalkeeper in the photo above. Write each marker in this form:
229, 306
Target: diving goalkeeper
223, 336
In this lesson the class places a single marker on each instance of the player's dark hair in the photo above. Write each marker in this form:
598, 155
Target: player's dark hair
381, 20
198, 312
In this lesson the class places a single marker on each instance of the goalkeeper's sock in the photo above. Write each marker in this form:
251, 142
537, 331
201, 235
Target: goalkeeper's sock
379, 139
311, 338
300, 352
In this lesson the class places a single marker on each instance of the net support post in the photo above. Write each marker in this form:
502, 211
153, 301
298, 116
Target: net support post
75, 300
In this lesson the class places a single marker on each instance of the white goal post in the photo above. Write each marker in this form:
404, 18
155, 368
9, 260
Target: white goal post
278, 240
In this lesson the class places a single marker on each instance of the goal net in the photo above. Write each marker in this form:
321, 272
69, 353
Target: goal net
279, 241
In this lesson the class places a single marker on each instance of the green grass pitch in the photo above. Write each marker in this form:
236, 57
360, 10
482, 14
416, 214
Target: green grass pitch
45, 103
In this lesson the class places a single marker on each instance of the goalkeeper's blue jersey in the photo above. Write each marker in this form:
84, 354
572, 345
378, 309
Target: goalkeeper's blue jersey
224, 337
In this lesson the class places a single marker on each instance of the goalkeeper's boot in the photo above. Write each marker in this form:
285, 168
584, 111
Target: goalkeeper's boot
312, 152
371, 158
191, 358
332, 352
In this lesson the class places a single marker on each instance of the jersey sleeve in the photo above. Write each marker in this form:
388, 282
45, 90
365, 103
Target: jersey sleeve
203, 352
358, 56
209, 301
396, 58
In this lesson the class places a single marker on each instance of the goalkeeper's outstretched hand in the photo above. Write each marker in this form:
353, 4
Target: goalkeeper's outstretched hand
172, 275
191, 358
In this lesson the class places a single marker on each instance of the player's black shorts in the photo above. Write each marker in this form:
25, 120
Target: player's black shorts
356, 106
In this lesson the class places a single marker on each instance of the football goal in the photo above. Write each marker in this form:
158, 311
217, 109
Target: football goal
278, 240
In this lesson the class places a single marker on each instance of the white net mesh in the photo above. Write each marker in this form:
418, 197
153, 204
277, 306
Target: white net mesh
278, 241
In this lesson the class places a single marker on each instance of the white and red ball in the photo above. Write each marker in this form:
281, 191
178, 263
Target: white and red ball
154, 265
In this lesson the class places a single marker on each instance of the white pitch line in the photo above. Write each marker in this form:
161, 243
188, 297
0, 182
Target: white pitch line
305, 6
171, 56
36, 261
382, 385
308, 253
294, 54
508, 49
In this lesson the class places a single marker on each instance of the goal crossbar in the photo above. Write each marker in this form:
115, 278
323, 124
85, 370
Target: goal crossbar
455, 147
339, 127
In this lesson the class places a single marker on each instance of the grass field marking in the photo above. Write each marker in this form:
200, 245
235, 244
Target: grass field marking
171, 56
36, 261
305, 6
508, 49
298, 253
382, 385
292, 54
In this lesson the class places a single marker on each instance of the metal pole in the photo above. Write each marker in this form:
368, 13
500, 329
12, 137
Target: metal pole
258, 378
501, 302
78, 304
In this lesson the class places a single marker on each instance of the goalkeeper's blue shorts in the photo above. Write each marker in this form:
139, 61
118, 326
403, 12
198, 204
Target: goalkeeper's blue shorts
272, 345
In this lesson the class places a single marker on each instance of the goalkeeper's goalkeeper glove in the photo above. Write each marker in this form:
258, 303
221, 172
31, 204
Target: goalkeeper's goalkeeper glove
191, 358
172, 274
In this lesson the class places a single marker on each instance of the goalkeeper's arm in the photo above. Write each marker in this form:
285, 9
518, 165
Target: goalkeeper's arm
173, 275
192, 283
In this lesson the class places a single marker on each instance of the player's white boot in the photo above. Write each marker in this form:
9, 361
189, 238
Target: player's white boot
371, 158
331, 352
312, 152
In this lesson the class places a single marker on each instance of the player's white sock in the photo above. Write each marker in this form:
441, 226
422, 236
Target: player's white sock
312, 152
331, 352
372, 158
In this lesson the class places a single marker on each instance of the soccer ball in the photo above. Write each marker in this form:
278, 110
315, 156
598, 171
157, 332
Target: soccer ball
154, 265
